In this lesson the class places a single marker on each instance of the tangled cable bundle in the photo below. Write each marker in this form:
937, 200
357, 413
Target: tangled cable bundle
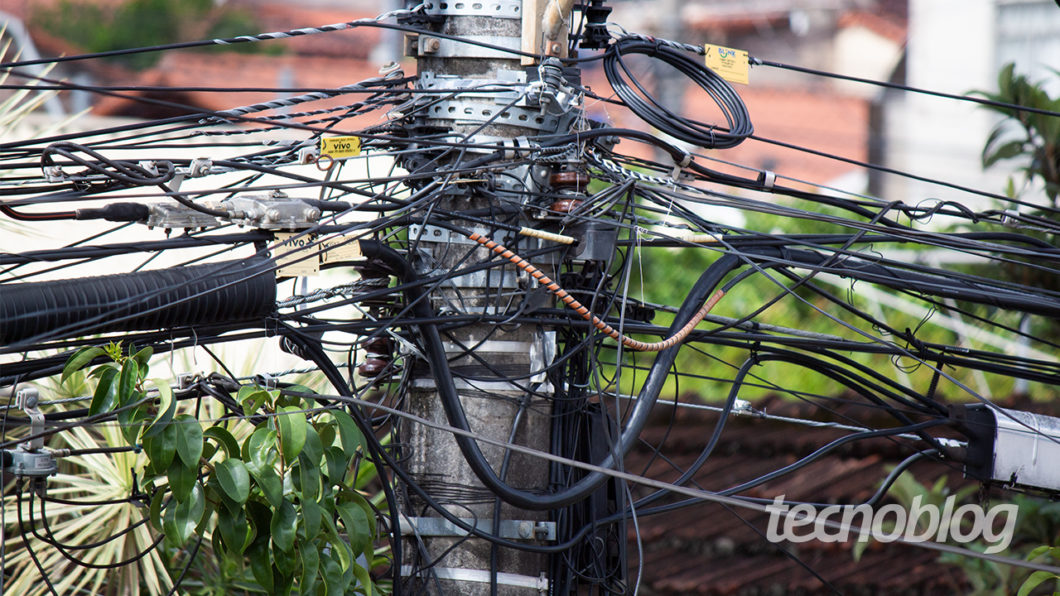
738, 121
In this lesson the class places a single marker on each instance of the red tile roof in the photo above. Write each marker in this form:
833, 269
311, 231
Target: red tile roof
708, 550
884, 26
821, 120
231, 70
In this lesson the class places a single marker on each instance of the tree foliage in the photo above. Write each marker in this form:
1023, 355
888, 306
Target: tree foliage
142, 23
1029, 136
276, 500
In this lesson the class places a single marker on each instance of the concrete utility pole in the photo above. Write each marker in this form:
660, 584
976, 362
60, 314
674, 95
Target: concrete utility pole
495, 407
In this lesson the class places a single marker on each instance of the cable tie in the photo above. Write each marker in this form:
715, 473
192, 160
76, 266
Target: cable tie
680, 165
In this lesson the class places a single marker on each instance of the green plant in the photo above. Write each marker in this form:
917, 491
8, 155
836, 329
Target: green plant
1030, 136
272, 506
1035, 535
142, 23
89, 479
1042, 554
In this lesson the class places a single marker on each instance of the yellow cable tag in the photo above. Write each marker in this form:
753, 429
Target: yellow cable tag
302, 255
296, 254
340, 248
730, 64
336, 147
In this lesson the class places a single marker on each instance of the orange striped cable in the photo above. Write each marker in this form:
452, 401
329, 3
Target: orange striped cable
570, 301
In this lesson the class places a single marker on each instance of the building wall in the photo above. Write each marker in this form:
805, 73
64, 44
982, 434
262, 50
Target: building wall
957, 46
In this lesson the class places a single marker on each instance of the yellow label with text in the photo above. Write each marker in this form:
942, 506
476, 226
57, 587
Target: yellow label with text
730, 64
299, 255
340, 146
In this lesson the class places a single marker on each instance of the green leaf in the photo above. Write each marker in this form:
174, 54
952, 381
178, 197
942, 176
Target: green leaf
292, 425
182, 517
166, 405
106, 392
261, 564
1005, 151
286, 564
224, 439
1036, 579
364, 580
313, 448
284, 526
79, 360
143, 357
310, 559
308, 478
234, 529
332, 574
269, 482
131, 421
155, 511
160, 445
260, 447
181, 478
234, 479
252, 398
189, 439
328, 434
311, 518
336, 464
358, 528
352, 437
127, 379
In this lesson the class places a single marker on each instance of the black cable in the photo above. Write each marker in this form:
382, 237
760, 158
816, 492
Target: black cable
901, 87
738, 121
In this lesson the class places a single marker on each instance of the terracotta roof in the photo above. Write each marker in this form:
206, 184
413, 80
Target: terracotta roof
356, 43
708, 550
230, 70
821, 120
890, 28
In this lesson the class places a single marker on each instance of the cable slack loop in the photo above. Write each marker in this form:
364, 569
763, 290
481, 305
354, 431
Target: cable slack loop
584, 312
649, 109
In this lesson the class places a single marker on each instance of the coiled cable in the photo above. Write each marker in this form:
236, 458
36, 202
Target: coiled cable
738, 120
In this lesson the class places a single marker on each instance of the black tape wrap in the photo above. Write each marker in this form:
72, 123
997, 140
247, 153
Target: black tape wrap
217, 293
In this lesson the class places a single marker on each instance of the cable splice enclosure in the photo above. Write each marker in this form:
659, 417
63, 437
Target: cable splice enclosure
226, 292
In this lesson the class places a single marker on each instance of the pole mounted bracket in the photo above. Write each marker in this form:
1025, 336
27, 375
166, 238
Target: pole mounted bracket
30, 458
511, 529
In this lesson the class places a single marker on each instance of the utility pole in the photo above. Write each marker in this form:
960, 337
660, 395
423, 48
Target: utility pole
484, 356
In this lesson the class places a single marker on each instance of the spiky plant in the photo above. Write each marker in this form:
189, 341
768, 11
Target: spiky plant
91, 479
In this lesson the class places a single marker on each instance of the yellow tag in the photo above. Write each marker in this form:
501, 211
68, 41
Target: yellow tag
296, 254
336, 147
340, 249
731, 64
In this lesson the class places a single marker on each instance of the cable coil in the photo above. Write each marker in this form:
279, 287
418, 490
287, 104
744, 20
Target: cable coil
738, 120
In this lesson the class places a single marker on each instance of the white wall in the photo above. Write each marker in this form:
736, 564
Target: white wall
957, 46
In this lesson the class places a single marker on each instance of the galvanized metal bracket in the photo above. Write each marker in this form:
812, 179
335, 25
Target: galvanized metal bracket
511, 529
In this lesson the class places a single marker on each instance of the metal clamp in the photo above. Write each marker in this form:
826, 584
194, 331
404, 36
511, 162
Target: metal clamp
511, 529
30, 458
498, 9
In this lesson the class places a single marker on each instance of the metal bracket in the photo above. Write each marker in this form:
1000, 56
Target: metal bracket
437, 47
173, 215
30, 458
483, 576
498, 9
511, 529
